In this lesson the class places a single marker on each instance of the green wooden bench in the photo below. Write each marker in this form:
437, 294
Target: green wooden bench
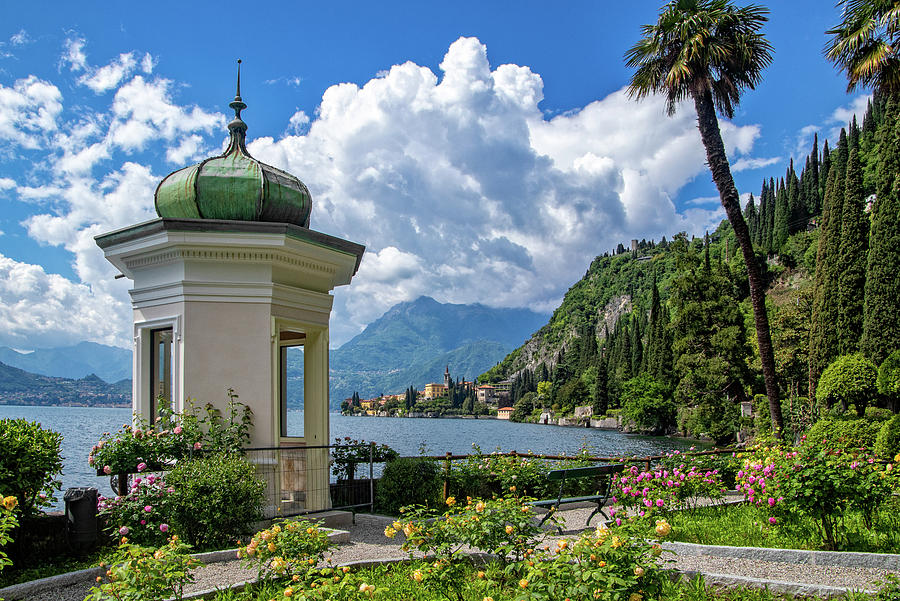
602, 474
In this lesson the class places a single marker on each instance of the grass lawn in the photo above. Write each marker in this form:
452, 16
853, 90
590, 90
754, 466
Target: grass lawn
745, 526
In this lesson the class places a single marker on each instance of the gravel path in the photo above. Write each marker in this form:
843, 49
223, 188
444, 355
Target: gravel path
369, 543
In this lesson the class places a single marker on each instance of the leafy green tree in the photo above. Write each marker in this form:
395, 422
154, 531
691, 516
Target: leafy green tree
881, 319
710, 51
709, 344
866, 44
648, 404
849, 380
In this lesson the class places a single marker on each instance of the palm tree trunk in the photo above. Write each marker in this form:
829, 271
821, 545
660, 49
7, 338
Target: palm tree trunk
708, 124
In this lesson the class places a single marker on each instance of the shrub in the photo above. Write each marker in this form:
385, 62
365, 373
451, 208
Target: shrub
849, 380
290, 548
850, 433
408, 481
887, 444
214, 499
146, 574
29, 463
878, 414
889, 376
143, 515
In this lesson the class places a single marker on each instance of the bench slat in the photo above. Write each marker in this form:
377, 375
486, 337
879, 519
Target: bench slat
585, 472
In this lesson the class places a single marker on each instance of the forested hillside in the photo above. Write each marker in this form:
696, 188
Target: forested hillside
664, 333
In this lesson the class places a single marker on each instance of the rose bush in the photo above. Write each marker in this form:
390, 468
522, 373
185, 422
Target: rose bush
502, 526
610, 564
173, 436
289, 548
644, 493
8, 522
144, 514
146, 574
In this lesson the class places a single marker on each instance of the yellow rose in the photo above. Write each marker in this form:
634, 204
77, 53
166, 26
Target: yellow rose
417, 576
480, 575
488, 599
288, 592
510, 529
663, 528
635, 597
562, 544
10, 502
523, 583
390, 532
638, 571
451, 501
616, 542
271, 547
479, 506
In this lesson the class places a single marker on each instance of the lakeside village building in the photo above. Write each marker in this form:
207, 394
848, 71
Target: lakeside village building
489, 394
230, 284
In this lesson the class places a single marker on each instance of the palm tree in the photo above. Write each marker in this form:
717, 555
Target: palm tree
709, 51
866, 44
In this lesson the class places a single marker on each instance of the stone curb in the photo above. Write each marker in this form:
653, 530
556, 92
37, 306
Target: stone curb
881, 561
25, 590
793, 589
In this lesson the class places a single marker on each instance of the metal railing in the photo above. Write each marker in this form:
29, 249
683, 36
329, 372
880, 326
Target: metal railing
302, 480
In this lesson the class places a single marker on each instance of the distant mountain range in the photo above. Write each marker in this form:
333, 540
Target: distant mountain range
110, 363
415, 341
19, 387
411, 344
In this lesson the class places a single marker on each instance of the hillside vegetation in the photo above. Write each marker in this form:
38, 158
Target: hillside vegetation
664, 333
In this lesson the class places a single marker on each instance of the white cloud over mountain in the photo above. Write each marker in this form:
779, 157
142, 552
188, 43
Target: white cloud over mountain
457, 184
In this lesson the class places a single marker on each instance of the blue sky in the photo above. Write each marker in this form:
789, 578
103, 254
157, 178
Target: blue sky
483, 151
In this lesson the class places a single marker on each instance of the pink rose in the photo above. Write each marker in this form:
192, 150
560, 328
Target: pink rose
141, 466
773, 520
148, 508
177, 430
123, 530
197, 446
107, 469
163, 527
143, 522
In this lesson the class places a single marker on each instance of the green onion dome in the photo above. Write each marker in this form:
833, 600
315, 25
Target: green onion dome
234, 185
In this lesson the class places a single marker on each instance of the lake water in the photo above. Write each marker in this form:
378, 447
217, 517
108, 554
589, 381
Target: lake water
81, 427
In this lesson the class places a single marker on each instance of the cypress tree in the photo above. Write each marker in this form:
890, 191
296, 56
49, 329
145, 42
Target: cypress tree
823, 341
823, 174
854, 238
813, 205
881, 319
770, 218
759, 239
751, 218
797, 211
782, 218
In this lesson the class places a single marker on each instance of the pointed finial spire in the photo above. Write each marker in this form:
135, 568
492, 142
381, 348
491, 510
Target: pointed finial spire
237, 127
238, 95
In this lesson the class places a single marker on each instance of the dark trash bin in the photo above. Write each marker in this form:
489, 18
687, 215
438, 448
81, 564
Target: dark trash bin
81, 517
